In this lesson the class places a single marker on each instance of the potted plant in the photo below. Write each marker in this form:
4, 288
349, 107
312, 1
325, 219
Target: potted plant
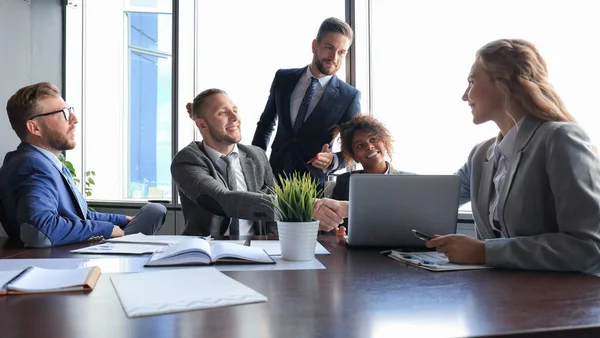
293, 199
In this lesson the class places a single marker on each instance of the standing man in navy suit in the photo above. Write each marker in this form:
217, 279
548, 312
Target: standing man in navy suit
40, 205
309, 103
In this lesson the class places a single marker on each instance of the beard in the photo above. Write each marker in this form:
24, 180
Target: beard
322, 69
222, 137
56, 140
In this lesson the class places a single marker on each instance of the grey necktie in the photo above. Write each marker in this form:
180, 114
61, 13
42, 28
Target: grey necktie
234, 225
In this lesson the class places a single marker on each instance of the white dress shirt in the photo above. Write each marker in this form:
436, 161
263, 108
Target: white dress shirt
504, 149
215, 157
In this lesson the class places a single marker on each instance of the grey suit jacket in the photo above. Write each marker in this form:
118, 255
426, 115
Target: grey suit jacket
206, 200
549, 204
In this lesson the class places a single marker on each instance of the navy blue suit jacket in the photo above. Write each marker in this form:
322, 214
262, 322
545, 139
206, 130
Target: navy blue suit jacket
38, 207
340, 103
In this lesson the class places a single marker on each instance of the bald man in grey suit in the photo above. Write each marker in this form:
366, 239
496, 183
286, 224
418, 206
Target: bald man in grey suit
220, 197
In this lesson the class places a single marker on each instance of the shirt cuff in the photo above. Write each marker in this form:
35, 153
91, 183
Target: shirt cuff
335, 165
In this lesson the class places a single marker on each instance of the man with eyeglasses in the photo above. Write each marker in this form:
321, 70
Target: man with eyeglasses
40, 205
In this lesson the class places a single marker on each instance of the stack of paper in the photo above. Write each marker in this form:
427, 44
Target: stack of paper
151, 293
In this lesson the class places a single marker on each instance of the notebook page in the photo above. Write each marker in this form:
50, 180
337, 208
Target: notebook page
39, 279
167, 291
227, 250
183, 252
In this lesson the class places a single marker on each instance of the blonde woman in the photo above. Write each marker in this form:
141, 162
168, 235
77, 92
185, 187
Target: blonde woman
535, 188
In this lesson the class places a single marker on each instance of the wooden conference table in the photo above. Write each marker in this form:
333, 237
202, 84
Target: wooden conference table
359, 294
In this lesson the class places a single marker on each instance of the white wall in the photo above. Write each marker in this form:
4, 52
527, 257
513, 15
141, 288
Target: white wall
31, 39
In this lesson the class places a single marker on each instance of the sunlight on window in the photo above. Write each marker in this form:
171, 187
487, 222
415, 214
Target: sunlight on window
421, 57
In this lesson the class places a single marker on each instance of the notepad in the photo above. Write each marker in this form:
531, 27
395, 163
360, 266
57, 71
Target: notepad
34, 280
158, 292
432, 261
198, 251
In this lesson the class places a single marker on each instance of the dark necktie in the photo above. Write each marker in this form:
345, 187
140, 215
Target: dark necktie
78, 196
310, 90
234, 225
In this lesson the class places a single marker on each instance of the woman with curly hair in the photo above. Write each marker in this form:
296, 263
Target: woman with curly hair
367, 141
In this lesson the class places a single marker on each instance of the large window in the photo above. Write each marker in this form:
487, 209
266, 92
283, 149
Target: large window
422, 54
122, 86
242, 53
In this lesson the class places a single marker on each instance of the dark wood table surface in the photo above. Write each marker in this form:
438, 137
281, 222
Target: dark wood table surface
360, 294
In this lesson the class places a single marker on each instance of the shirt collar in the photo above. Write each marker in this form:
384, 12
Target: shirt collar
50, 156
323, 81
215, 155
505, 146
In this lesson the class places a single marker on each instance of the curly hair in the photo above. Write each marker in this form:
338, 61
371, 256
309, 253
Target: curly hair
519, 71
368, 124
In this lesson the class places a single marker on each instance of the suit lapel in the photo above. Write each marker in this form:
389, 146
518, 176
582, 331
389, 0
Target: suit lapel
330, 93
288, 87
248, 169
524, 135
221, 174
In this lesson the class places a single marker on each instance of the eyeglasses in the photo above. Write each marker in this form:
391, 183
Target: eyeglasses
66, 113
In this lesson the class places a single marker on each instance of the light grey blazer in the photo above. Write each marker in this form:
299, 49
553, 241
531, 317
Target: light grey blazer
549, 204
206, 200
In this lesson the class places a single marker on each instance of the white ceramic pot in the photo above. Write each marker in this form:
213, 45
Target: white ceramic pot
298, 240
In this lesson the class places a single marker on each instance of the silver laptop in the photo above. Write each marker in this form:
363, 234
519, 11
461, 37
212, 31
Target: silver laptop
385, 208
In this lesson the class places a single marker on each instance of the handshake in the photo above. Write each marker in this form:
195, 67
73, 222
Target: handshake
330, 214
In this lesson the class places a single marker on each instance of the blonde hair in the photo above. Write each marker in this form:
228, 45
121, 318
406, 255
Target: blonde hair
519, 71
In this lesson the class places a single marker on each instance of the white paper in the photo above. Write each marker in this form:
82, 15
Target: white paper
152, 293
119, 248
140, 238
273, 248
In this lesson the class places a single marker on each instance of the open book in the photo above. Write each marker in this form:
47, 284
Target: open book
432, 261
35, 280
198, 251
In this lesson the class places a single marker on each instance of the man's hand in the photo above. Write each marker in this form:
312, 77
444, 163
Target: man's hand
330, 213
117, 232
324, 159
129, 218
459, 249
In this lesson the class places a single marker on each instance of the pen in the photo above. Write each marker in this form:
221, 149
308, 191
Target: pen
312, 160
418, 259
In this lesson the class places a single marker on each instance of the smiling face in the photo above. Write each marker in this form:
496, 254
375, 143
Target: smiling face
219, 123
54, 132
487, 102
368, 150
329, 53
